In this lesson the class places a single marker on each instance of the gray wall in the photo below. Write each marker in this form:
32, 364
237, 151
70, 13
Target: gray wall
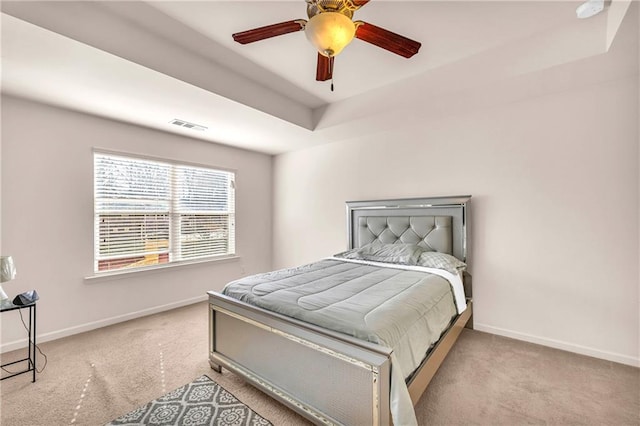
47, 219
554, 179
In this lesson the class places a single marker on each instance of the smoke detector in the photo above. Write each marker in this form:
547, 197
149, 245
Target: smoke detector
589, 8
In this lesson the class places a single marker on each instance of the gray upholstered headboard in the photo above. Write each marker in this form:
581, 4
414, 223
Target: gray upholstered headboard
439, 224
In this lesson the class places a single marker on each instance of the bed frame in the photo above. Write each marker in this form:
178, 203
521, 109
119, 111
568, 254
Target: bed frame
329, 377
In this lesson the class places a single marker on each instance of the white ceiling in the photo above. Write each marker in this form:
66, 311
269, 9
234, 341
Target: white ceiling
150, 62
448, 31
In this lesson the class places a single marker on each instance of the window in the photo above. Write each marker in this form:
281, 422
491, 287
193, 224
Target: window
152, 212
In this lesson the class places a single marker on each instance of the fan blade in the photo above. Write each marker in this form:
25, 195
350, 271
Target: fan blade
269, 31
359, 3
324, 71
385, 39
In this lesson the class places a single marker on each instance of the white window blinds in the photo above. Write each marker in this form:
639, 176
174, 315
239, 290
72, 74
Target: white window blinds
152, 212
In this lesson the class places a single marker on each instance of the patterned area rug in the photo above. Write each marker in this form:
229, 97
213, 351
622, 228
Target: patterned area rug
201, 402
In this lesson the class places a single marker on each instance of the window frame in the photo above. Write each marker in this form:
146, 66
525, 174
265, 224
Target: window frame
174, 240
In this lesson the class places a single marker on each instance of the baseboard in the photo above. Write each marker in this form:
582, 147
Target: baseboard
54, 335
557, 344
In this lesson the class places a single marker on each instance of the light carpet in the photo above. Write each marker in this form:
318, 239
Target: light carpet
97, 376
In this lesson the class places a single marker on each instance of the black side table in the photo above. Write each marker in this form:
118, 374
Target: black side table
7, 305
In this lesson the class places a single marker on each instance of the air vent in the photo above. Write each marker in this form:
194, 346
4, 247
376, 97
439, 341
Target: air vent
188, 125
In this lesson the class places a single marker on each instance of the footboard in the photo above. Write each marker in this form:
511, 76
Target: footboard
325, 376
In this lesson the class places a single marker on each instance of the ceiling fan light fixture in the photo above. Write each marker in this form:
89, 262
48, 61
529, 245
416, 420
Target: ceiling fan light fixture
330, 32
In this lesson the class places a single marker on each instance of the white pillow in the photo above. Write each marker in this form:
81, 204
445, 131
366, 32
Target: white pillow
433, 259
406, 254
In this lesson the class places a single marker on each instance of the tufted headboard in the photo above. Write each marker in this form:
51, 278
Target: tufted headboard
439, 224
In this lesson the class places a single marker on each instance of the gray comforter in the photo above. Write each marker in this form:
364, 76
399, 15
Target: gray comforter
406, 310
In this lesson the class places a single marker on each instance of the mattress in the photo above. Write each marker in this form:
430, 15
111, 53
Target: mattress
403, 308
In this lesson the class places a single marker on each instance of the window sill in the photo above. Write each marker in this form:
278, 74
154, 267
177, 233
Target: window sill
116, 275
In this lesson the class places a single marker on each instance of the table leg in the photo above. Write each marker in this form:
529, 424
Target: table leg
34, 344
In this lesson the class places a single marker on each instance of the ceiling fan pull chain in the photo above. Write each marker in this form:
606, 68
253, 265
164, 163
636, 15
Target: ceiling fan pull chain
331, 59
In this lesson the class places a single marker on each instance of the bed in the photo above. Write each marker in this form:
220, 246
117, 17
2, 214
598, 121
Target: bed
363, 369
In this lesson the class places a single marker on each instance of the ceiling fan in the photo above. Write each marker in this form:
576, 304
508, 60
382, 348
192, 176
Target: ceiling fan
330, 28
